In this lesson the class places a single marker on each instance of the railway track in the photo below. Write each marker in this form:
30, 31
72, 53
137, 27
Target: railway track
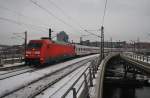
59, 88
15, 72
12, 67
37, 86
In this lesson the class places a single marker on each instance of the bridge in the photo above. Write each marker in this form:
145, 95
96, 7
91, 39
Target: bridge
116, 69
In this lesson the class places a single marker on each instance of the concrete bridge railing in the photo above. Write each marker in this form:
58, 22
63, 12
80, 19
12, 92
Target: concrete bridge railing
135, 61
139, 57
100, 77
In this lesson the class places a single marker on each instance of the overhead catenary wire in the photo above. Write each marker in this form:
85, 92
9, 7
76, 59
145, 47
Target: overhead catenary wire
22, 23
43, 8
64, 13
92, 33
104, 14
69, 17
33, 26
51, 14
60, 9
18, 13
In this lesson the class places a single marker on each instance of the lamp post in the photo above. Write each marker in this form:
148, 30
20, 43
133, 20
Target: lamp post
25, 43
102, 44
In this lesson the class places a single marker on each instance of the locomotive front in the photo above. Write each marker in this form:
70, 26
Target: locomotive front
34, 52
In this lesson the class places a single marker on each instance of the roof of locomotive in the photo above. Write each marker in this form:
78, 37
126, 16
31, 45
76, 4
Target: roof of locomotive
50, 41
41, 41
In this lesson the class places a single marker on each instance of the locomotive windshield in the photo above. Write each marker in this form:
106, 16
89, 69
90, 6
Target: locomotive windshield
34, 45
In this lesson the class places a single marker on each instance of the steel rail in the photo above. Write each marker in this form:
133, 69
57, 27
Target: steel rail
15, 73
12, 67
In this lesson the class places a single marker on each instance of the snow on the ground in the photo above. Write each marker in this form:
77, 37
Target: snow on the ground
9, 65
27, 91
14, 73
13, 83
14, 70
58, 89
92, 90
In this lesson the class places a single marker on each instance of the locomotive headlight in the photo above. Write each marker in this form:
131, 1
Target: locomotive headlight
27, 55
28, 52
37, 52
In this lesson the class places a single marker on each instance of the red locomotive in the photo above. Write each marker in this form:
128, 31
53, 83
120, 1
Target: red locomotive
46, 51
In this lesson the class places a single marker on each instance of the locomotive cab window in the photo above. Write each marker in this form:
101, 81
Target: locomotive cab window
34, 45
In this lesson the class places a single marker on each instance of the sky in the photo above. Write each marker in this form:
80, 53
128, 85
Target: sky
125, 20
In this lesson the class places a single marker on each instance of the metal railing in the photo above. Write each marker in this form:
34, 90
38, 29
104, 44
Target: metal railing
139, 57
85, 80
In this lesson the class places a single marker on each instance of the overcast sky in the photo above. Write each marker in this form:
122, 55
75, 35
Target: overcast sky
125, 19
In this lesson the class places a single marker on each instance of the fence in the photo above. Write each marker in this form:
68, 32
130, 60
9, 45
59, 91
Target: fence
10, 59
85, 80
139, 57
